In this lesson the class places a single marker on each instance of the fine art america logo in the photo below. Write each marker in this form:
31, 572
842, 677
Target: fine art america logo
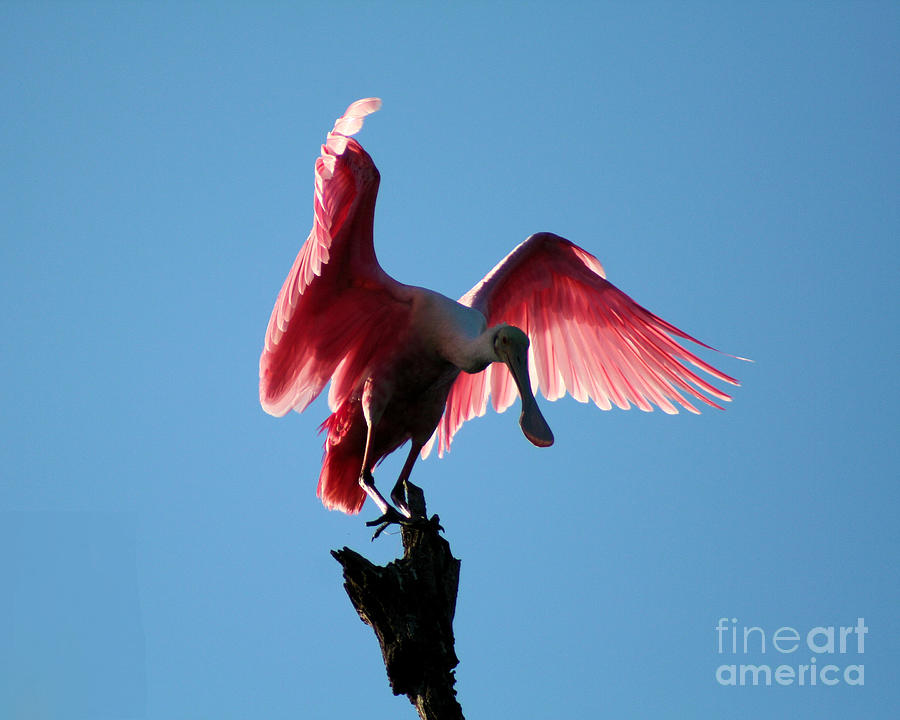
835, 654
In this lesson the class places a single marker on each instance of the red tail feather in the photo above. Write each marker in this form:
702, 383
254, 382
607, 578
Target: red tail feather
339, 480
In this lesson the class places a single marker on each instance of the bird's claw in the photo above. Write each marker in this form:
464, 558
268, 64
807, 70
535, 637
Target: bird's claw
381, 528
392, 516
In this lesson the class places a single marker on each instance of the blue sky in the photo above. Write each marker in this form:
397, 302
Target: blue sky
733, 165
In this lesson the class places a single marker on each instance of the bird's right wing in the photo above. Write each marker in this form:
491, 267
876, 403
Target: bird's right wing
337, 311
588, 338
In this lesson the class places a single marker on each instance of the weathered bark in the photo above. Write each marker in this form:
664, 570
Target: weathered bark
410, 604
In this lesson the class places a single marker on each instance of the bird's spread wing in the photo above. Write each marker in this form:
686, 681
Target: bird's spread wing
588, 338
337, 307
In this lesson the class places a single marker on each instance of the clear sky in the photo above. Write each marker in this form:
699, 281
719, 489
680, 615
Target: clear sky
733, 165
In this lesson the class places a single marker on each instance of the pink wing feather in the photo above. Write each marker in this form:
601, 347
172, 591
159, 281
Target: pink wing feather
337, 307
588, 338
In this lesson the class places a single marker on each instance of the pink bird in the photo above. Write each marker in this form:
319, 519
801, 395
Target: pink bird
409, 364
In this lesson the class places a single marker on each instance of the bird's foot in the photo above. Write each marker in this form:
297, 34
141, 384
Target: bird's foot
392, 516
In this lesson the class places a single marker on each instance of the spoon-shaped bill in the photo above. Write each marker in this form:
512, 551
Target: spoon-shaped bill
531, 420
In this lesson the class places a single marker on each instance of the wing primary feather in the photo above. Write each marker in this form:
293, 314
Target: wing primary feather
337, 310
588, 338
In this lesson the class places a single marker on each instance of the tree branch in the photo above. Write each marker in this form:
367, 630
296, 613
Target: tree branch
410, 604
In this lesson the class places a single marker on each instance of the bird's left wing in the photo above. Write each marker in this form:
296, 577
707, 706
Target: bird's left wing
588, 338
337, 310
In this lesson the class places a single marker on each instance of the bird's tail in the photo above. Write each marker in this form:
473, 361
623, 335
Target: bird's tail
339, 480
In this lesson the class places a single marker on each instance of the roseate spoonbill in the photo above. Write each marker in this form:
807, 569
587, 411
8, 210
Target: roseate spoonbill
408, 364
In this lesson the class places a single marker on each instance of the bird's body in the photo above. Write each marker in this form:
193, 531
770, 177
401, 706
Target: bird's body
409, 390
409, 364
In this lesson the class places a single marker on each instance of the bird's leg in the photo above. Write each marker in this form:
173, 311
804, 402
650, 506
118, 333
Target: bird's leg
398, 494
389, 512
372, 411
367, 482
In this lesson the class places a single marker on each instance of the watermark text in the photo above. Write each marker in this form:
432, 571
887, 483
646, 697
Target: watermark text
835, 654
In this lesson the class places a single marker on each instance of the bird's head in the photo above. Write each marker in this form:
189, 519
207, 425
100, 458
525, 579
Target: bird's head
511, 347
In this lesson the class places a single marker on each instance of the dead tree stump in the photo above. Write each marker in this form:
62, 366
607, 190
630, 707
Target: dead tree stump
410, 604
